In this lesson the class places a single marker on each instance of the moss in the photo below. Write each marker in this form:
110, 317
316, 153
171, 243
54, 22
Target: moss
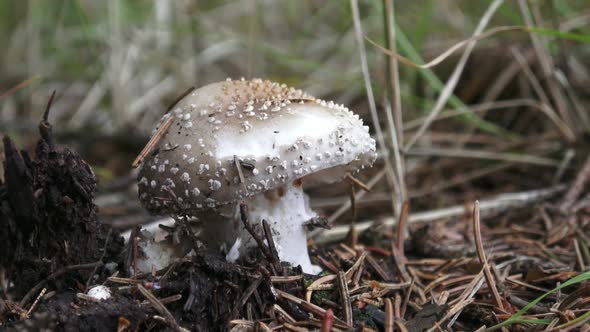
317, 296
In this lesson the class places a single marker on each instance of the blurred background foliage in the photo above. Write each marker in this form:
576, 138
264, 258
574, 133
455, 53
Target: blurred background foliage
117, 65
120, 62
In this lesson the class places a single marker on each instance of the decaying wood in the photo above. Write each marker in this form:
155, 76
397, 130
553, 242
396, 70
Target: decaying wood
47, 212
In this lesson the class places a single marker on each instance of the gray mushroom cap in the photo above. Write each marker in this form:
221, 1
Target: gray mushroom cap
276, 134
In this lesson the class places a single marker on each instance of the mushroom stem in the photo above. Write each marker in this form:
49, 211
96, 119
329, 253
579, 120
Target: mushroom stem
286, 212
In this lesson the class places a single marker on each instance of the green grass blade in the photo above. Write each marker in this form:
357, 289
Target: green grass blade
584, 317
534, 321
435, 83
515, 318
559, 34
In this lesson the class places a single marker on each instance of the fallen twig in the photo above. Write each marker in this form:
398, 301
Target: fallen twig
250, 229
353, 233
240, 173
153, 141
389, 316
482, 257
160, 132
166, 300
19, 86
345, 297
245, 296
357, 182
499, 203
28, 313
576, 188
169, 319
401, 227
274, 254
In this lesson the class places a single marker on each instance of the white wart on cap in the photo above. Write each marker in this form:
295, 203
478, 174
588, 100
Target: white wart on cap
277, 133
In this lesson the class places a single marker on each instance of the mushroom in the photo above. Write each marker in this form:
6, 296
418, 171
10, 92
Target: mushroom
252, 142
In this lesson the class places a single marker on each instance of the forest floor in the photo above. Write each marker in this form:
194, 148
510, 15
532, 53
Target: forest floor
484, 266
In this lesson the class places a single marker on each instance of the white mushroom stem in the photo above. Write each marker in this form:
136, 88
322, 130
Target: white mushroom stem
155, 251
286, 210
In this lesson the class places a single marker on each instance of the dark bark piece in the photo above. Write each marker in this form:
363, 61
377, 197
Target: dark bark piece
19, 189
47, 215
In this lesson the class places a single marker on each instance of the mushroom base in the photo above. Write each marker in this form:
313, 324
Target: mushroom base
286, 209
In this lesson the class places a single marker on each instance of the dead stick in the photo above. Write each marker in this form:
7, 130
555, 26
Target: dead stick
579, 255
135, 250
357, 182
19, 86
577, 187
265, 251
292, 328
380, 271
161, 309
400, 263
250, 229
240, 173
401, 227
153, 142
353, 232
44, 125
345, 297
272, 247
242, 301
407, 298
166, 300
282, 315
28, 314
260, 326
161, 131
388, 315
492, 205
357, 265
482, 257
397, 304
130, 249
3, 306
179, 98
457, 308
314, 309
